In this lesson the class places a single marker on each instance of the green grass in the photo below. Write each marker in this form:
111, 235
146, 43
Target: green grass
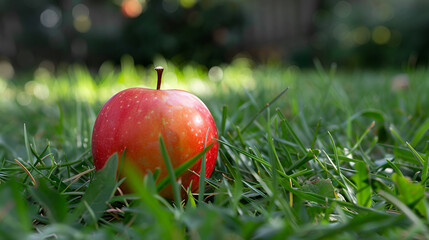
339, 155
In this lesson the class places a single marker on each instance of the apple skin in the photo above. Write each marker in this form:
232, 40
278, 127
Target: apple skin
135, 118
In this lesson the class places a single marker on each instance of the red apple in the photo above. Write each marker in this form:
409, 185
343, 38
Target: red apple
135, 118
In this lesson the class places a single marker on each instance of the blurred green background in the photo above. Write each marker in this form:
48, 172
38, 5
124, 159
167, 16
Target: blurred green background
367, 33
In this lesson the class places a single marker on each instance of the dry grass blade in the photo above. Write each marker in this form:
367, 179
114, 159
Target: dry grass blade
28, 172
77, 176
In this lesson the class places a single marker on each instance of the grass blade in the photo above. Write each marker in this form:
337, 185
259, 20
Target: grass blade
224, 116
396, 134
98, 193
182, 168
395, 168
362, 137
420, 226
337, 167
203, 172
52, 201
150, 203
27, 144
364, 190
419, 157
286, 127
21, 205
277, 165
313, 142
420, 132
425, 168
171, 173
263, 109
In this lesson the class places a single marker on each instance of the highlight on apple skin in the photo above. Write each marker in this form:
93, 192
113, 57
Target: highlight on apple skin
134, 118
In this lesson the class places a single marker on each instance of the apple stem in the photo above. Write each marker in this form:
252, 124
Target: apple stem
159, 70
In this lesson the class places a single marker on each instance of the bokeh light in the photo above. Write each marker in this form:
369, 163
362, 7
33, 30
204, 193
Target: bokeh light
170, 6
386, 11
381, 35
48, 65
37, 89
82, 24
81, 19
216, 73
80, 10
187, 3
361, 35
132, 8
6, 70
23, 99
50, 17
343, 9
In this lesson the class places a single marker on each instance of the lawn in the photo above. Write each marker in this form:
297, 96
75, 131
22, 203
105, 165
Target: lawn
338, 155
